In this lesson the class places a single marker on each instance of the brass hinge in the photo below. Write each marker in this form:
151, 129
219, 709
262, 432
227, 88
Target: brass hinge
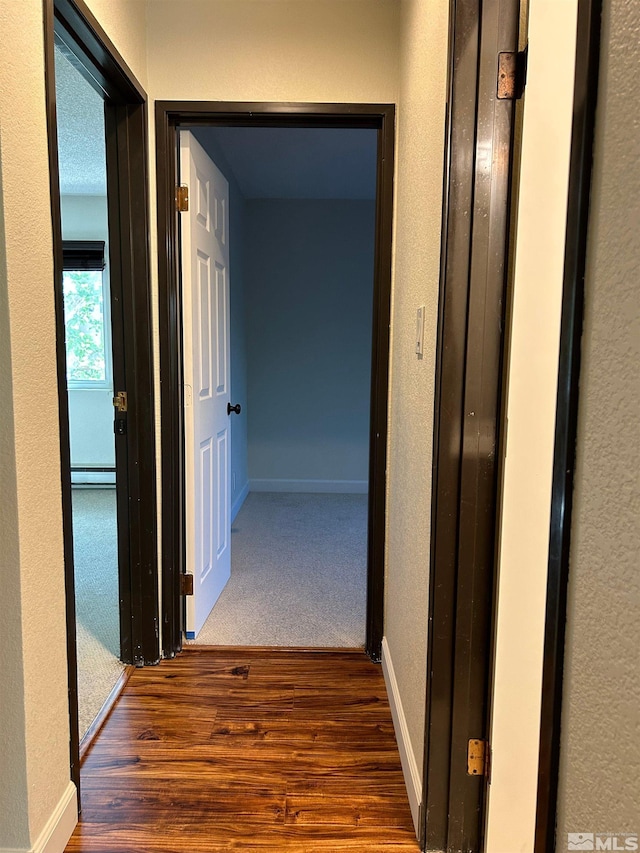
182, 198
120, 401
512, 74
186, 584
479, 758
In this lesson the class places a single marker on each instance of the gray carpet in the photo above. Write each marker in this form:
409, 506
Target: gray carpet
97, 609
298, 573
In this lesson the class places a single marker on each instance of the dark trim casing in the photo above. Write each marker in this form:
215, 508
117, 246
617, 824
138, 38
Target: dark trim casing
169, 116
100, 61
63, 408
579, 191
467, 420
133, 371
72, 25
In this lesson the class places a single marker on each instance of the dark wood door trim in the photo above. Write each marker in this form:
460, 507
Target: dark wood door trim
71, 22
580, 168
63, 409
467, 422
100, 61
128, 226
169, 115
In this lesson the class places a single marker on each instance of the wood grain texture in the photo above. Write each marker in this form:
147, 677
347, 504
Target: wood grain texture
248, 750
92, 732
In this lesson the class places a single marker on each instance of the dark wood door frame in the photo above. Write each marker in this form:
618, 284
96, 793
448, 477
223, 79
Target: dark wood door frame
459, 682
467, 421
71, 24
169, 116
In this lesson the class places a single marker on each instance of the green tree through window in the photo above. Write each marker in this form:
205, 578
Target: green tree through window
85, 325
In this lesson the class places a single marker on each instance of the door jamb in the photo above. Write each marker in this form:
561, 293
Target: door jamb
467, 422
581, 160
169, 115
125, 113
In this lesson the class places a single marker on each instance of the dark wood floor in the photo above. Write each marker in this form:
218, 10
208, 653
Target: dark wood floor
247, 750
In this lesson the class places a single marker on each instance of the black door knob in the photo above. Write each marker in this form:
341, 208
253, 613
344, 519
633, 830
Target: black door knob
235, 408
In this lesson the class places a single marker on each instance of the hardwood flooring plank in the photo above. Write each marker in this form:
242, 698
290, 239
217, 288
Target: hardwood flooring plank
211, 695
146, 804
390, 785
238, 732
260, 765
342, 704
143, 724
320, 810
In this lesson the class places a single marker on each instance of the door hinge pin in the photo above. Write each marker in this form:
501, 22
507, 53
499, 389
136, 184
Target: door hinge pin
182, 198
186, 584
512, 74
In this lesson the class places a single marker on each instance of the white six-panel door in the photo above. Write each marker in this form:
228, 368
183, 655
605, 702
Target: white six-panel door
205, 302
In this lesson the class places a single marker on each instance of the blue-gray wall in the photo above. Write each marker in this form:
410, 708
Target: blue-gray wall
309, 292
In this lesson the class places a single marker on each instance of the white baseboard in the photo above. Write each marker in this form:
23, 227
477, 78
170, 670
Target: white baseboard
407, 758
58, 829
237, 504
342, 487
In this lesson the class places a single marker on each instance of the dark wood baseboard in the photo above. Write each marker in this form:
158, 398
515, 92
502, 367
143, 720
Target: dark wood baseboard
104, 712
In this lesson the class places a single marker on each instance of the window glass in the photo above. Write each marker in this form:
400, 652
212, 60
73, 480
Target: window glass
84, 314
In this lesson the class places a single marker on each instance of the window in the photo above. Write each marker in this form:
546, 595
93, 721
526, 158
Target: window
86, 315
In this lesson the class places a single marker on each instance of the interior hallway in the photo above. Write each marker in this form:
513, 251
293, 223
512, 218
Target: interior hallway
247, 750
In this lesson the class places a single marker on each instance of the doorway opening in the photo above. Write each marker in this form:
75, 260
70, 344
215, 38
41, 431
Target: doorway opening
89, 360
273, 464
103, 327
277, 263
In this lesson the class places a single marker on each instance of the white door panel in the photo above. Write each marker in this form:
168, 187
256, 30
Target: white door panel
205, 302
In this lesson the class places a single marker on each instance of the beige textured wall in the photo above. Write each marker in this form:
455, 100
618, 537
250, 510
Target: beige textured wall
14, 828
32, 550
34, 760
420, 157
600, 753
125, 23
273, 50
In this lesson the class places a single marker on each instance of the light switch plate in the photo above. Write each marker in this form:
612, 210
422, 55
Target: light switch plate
420, 330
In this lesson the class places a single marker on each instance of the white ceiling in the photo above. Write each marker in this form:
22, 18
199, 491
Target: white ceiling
310, 163
81, 136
